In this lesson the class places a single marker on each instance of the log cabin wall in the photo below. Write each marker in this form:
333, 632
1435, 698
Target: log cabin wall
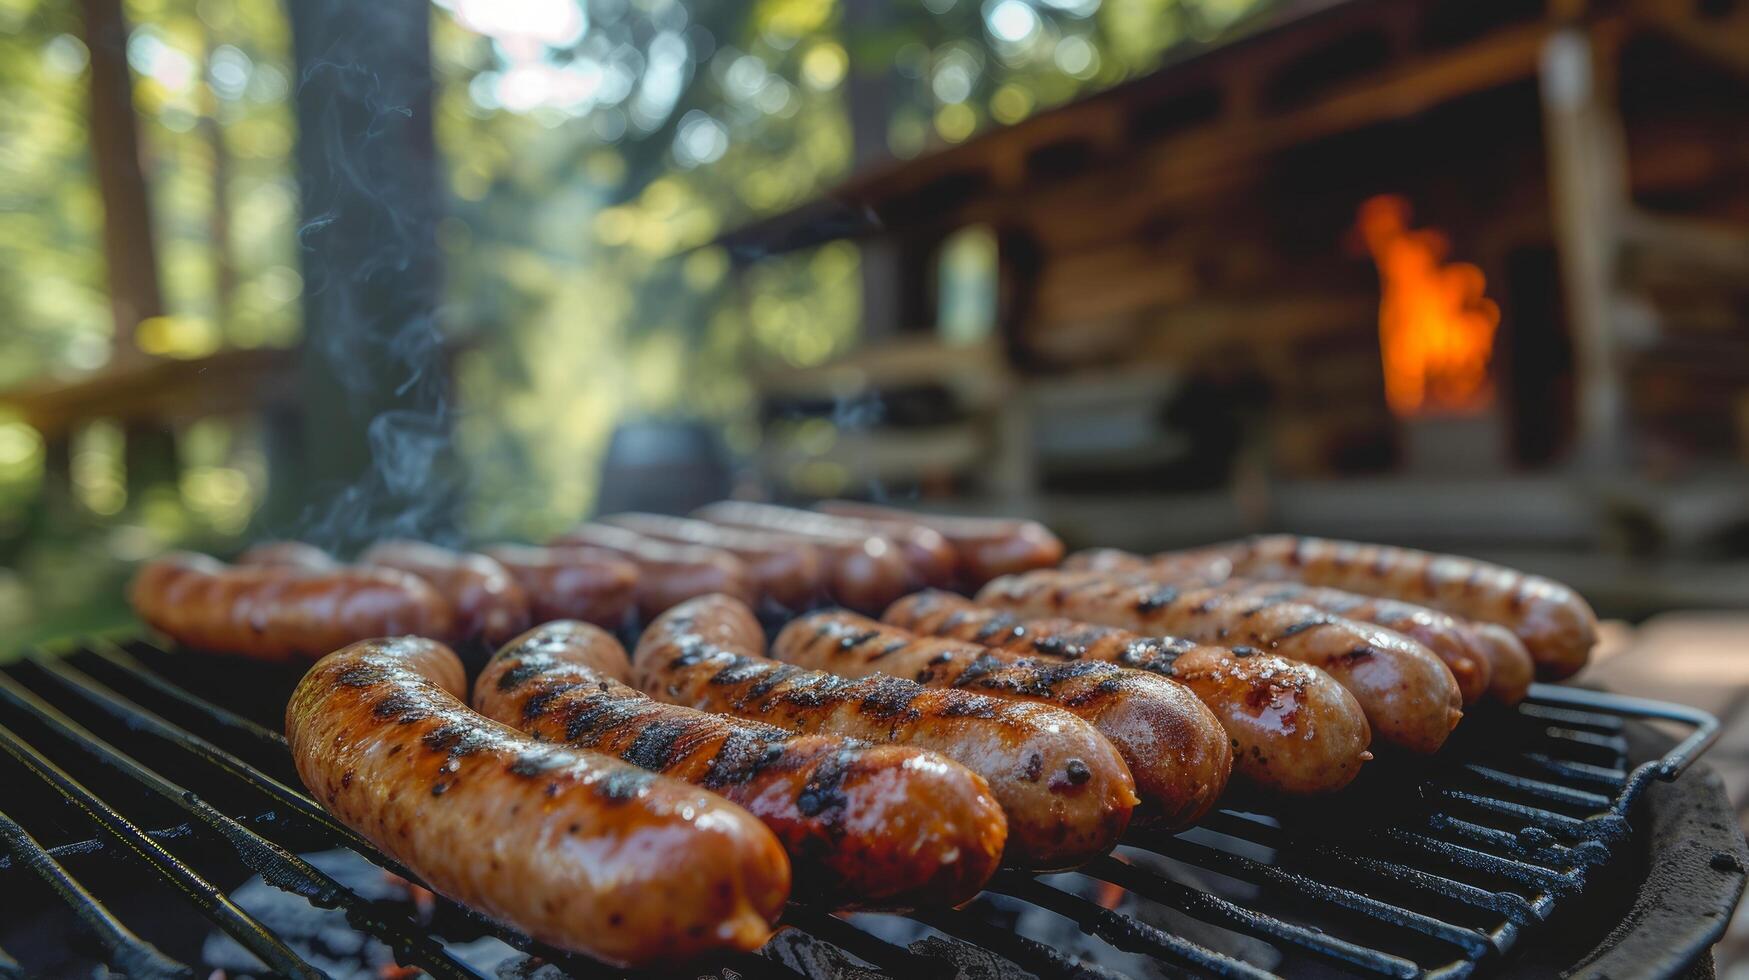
1591, 158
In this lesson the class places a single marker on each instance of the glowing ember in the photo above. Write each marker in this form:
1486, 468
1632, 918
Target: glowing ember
1436, 328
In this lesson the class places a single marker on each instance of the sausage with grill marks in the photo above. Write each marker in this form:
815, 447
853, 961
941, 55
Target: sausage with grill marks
881, 826
1065, 790
1409, 696
1481, 663
668, 574
1458, 649
987, 546
1293, 728
867, 571
281, 612
1176, 751
1555, 624
489, 604
786, 570
571, 583
577, 849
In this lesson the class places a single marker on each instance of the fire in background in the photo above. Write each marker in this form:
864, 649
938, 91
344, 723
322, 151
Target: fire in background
1436, 326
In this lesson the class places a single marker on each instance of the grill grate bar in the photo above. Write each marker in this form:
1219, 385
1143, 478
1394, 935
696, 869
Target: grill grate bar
212, 902
1213, 909
1120, 930
225, 717
1540, 788
1559, 824
1238, 866
1527, 847
1610, 779
1539, 709
133, 955
1510, 904
1522, 872
274, 863
1026, 952
1515, 907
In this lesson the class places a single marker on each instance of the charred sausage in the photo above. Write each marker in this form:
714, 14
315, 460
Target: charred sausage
575, 848
885, 826
987, 546
668, 574
1409, 696
1175, 749
281, 612
866, 571
1555, 624
1293, 728
1065, 790
489, 604
571, 583
786, 571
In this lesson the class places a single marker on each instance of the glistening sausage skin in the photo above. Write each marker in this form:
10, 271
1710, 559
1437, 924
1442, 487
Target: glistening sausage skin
868, 826
575, 848
1066, 791
1293, 728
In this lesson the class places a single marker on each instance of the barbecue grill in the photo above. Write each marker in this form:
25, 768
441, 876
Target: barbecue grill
152, 822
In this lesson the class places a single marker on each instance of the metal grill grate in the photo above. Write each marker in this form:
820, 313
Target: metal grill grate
136, 782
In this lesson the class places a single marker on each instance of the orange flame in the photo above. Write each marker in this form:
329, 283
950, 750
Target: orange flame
1436, 328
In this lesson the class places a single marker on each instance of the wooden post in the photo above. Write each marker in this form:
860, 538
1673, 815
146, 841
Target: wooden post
128, 248
375, 387
1588, 193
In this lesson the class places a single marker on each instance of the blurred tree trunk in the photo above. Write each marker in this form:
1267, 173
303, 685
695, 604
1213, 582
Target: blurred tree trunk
128, 246
376, 457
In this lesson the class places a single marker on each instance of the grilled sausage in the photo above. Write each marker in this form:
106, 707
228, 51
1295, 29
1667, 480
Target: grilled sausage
1457, 648
281, 612
1175, 749
286, 553
577, 849
1556, 626
1410, 698
933, 562
1065, 790
786, 571
489, 604
987, 546
668, 574
885, 826
1513, 670
866, 571
571, 583
1293, 728
1481, 664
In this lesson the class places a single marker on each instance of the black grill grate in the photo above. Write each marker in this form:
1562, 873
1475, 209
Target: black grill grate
1421, 869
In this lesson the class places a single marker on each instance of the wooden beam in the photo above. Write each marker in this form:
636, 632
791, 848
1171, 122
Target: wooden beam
1588, 190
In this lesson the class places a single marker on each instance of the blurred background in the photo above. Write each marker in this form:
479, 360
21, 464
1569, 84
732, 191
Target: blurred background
1465, 274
